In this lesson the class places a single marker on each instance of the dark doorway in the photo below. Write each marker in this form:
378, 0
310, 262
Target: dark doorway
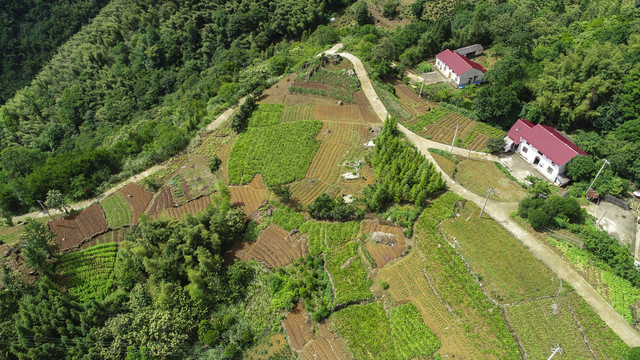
536, 161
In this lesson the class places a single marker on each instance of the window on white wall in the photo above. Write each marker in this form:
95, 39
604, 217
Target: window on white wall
549, 169
524, 150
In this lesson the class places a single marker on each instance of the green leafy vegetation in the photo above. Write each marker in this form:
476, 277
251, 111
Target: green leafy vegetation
341, 85
428, 118
117, 211
366, 330
348, 275
266, 115
411, 337
326, 208
88, 274
286, 217
281, 153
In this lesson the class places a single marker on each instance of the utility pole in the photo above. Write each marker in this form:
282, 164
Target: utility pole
602, 218
605, 162
422, 86
47, 211
557, 350
454, 138
485, 201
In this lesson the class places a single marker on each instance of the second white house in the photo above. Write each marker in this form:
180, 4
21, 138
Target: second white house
548, 150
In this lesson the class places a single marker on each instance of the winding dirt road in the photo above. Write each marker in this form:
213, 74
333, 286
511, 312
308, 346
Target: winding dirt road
501, 213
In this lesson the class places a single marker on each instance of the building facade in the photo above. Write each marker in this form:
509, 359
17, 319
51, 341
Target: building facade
545, 148
459, 69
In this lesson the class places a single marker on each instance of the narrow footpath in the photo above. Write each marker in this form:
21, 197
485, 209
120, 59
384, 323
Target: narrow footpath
86, 203
501, 213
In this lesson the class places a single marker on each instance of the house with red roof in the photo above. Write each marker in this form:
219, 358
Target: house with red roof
459, 69
544, 147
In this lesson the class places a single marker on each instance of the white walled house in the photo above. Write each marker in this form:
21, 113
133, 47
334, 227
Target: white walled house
545, 148
459, 69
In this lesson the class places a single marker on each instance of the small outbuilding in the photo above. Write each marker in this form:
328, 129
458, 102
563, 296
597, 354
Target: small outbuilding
459, 69
470, 51
544, 147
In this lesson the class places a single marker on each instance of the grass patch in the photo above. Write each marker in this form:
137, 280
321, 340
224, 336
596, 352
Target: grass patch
411, 337
447, 166
451, 279
349, 276
88, 274
533, 320
477, 176
266, 115
117, 211
286, 217
366, 330
390, 102
508, 173
281, 153
485, 245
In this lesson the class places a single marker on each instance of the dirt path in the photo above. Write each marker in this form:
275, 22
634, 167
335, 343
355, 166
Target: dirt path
501, 213
86, 203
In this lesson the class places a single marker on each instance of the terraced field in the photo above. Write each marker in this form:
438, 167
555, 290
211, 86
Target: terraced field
275, 248
72, 229
138, 198
191, 208
250, 196
383, 253
297, 328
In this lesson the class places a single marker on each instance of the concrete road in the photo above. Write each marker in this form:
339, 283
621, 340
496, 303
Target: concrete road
501, 213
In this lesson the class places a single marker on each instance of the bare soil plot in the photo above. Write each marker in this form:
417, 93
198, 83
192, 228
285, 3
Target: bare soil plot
249, 196
383, 253
366, 111
13, 260
302, 99
71, 230
297, 327
138, 198
326, 345
277, 93
339, 113
111, 236
191, 208
310, 85
276, 248
408, 283
163, 201
223, 155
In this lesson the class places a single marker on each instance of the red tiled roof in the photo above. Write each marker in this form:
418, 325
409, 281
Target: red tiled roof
519, 129
547, 140
458, 63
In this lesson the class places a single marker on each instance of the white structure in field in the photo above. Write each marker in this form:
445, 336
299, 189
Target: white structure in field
544, 147
459, 69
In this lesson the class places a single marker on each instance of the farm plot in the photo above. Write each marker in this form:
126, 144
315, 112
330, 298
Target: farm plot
249, 197
266, 115
477, 176
138, 198
72, 229
275, 247
286, 217
447, 166
297, 327
339, 113
604, 343
117, 211
192, 180
326, 345
366, 111
88, 274
472, 134
366, 330
163, 201
348, 275
211, 143
456, 286
293, 99
273, 347
115, 236
391, 249
192, 207
297, 112
445, 127
277, 93
411, 101
509, 272
332, 235
340, 142
411, 337
281, 153
408, 283
341, 86
532, 321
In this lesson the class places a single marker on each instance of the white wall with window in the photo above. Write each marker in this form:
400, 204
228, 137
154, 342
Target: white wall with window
543, 164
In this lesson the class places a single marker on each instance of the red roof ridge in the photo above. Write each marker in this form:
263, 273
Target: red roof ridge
458, 63
566, 141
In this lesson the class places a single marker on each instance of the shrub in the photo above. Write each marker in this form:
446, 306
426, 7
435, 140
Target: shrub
495, 145
326, 208
214, 164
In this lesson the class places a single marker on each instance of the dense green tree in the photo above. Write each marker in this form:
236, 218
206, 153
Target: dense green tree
361, 13
390, 8
581, 168
39, 247
538, 188
417, 9
496, 145
55, 200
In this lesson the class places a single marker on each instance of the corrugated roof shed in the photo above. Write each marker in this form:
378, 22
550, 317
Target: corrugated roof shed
469, 49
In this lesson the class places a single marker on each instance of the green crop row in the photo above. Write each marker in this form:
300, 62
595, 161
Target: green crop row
411, 337
366, 330
428, 118
316, 234
286, 217
266, 115
117, 211
281, 153
349, 276
89, 273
